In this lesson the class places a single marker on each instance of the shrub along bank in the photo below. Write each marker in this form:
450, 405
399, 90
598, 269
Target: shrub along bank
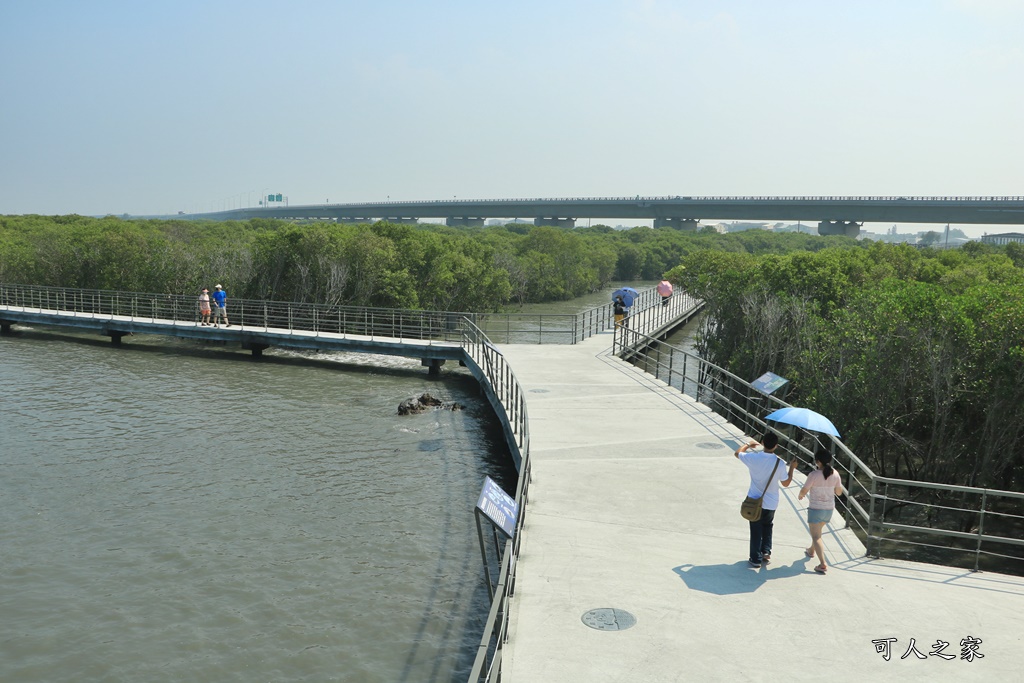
916, 355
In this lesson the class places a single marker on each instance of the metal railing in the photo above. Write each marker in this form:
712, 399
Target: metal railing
507, 328
242, 313
977, 526
506, 395
649, 313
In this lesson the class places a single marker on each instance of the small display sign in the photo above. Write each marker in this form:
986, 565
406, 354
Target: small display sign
498, 507
768, 382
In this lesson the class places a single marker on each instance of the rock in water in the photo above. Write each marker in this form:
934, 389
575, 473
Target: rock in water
412, 406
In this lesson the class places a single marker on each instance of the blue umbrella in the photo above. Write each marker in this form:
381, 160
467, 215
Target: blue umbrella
803, 417
627, 294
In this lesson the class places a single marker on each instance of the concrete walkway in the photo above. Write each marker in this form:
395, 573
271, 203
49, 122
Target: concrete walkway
634, 505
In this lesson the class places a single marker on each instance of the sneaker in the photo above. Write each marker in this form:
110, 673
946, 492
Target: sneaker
755, 565
767, 558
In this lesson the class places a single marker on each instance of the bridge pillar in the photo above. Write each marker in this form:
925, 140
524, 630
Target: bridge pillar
433, 365
115, 336
257, 349
556, 222
677, 223
464, 221
5, 326
848, 228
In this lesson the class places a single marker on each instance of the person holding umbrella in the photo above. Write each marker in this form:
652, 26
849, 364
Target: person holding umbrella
620, 310
622, 301
665, 290
765, 479
822, 487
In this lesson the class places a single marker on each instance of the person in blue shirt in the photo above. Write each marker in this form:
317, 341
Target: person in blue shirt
220, 302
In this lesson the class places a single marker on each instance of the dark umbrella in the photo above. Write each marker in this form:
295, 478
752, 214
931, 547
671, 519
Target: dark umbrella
628, 294
805, 418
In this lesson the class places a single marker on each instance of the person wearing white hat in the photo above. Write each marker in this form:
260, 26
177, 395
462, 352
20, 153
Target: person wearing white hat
204, 307
220, 298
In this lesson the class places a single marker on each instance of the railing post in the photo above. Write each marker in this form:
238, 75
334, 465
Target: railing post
683, 388
981, 530
869, 545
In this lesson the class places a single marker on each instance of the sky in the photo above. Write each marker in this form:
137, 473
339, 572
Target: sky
197, 105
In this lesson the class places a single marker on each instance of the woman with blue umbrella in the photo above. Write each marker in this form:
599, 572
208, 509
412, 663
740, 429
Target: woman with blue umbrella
822, 485
620, 311
821, 488
622, 300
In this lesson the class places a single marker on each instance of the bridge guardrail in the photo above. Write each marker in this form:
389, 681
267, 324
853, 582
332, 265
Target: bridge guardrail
509, 328
243, 313
981, 524
508, 394
649, 313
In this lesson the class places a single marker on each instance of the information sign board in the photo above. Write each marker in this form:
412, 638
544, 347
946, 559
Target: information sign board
498, 506
768, 382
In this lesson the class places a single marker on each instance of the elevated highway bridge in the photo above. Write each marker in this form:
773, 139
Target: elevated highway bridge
835, 215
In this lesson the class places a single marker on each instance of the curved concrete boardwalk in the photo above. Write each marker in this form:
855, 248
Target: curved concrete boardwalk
634, 505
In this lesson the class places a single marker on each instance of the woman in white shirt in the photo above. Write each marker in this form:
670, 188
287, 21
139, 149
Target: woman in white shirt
204, 307
822, 487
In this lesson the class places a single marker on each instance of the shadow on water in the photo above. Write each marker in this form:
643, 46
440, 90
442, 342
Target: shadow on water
472, 596
223, 351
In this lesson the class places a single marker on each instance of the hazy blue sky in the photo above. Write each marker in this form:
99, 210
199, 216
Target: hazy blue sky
155, 107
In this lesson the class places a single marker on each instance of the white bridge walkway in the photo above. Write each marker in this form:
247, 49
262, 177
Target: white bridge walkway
634, 506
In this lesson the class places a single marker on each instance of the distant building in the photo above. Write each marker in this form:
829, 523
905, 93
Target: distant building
741, 227
1003, 238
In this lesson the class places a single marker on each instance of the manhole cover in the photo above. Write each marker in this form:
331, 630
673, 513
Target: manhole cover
609, 619
538, 391
710, 445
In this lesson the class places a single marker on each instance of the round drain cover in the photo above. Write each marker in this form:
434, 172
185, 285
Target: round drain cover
709, 445
609, 619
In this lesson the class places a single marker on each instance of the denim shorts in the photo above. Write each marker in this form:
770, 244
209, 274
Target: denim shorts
818, 516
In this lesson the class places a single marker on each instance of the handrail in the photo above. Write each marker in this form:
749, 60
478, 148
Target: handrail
429, 326
508, 396
880, 509
425, 325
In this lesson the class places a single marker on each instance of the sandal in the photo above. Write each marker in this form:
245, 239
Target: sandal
821, 569
809, 553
